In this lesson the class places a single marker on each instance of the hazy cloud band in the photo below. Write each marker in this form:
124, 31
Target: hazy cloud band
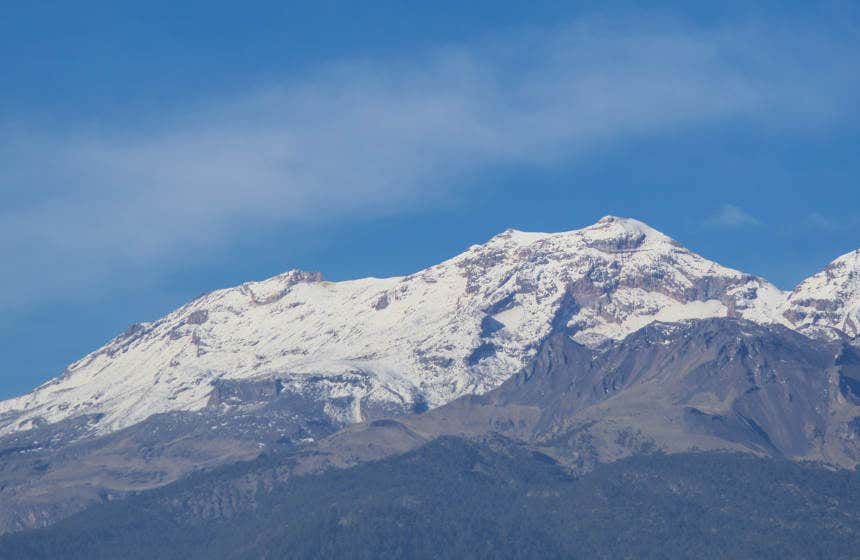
371, 137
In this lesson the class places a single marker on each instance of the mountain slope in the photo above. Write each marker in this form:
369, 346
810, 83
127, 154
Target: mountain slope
707, 384
372, 347
511, 503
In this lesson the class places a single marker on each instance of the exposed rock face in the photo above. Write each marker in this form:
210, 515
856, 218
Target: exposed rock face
712, 384
706, 384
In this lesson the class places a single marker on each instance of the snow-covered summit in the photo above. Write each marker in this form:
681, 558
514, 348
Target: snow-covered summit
830, 298
368, 346
614, 228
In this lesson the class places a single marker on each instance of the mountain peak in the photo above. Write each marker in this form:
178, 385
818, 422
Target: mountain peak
614, 233
609, 234
612, 219
629, 224
850, 260
830, 298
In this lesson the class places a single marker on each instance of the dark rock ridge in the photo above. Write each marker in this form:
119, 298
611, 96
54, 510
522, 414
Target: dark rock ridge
713, 384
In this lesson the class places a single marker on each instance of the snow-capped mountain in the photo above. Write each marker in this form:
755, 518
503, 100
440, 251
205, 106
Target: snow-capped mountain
830, 298
366, 347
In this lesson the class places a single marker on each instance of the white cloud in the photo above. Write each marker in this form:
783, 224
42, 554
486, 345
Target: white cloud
732, 217
374, 137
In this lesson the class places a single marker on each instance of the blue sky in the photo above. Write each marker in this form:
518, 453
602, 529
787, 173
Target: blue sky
154, 152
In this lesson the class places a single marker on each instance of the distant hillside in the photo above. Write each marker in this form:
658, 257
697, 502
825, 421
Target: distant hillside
495, 499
